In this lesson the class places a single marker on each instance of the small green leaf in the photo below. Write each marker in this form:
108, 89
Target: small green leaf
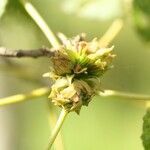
146, 130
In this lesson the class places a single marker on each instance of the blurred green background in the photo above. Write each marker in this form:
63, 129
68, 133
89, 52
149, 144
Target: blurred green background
108, 123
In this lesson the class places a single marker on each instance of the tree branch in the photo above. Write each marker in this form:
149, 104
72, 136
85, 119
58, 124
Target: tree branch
41, 52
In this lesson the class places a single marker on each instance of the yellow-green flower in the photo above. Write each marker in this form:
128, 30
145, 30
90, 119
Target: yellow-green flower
77, 68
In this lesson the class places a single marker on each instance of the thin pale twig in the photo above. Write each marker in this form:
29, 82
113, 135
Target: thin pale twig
31, 10
58, 145
58, 125
111, 33
125, 95
24, 97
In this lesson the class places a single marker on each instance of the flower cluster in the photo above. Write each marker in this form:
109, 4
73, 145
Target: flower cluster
77, 68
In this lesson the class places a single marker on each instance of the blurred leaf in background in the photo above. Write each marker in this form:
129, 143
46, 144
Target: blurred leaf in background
93, 9
141, 14
146, 130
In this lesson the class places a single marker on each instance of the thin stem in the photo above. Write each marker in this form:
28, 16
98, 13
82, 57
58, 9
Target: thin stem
24, 97
126, 95
111, 33
58, 145
41, 23
56, 130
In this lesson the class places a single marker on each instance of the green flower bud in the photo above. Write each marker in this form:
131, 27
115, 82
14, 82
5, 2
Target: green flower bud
77, 68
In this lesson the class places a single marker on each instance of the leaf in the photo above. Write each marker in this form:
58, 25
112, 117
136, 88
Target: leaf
146, 130
141, 16
143, 5
3, 4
